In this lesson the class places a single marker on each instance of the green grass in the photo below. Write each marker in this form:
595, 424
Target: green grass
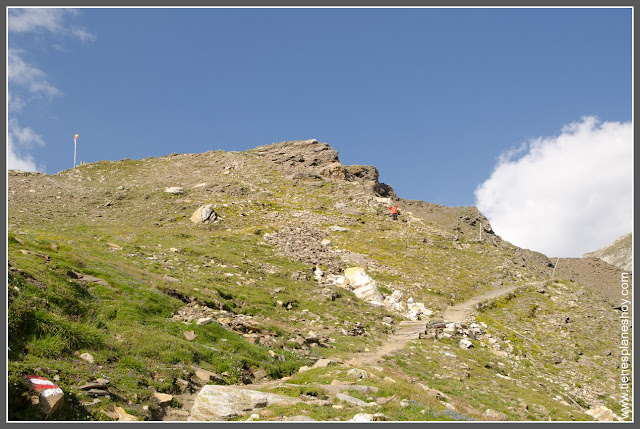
127, 326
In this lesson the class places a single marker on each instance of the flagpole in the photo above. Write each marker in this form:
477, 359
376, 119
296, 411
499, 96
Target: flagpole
75, 138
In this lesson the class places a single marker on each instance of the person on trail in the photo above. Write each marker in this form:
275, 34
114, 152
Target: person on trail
394, 211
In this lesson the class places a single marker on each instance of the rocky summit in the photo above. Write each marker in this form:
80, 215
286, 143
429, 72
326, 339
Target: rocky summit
273, 285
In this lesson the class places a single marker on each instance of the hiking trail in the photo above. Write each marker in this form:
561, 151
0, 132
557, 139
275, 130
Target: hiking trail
406, 330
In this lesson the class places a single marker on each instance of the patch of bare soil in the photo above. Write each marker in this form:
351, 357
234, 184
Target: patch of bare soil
595, 273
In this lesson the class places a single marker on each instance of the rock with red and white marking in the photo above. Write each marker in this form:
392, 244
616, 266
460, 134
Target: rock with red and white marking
51, 396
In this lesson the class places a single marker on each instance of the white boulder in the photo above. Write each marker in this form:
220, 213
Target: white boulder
218, 403
174, 190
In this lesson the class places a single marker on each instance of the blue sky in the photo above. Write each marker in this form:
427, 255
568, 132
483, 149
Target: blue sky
432, 97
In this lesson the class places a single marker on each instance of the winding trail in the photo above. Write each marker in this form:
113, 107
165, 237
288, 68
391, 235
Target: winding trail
406, 331
462, 310
410, 330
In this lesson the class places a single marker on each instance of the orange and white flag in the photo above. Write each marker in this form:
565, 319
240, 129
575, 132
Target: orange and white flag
75, 138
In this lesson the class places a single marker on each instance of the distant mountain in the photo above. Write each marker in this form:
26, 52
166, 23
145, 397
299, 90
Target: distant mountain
618, 253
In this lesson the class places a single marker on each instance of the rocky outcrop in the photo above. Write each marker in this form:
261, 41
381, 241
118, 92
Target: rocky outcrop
218, 403
304, 159
368, 175
303, 156
619, 253
364, 287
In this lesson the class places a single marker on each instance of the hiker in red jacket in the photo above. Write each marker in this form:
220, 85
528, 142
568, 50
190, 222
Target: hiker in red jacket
394, 211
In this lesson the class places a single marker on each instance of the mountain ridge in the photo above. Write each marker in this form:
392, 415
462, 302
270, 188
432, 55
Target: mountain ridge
271, 270
618, 253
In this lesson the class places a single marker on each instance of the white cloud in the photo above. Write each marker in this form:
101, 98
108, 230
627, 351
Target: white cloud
83, 35
30, 20
26, 81
26, 20
15, 103
568, 194
19, 139
28, 76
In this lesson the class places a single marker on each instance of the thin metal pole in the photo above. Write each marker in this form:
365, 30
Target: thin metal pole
74, 153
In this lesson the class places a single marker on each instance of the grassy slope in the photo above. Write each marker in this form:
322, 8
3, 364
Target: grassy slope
126, 326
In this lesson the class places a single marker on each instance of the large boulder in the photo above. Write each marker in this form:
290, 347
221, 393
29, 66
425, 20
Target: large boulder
205, 214
370, 293
357, 277
364, 287
602, 414
218, 403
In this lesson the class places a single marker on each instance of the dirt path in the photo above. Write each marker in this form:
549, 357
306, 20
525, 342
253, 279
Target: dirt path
460, 311
406, 331
410, 330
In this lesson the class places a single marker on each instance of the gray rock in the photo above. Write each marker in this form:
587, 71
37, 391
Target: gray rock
369, 293
174, 190
339, 206
336, 228
163, 399
98, 392
351, 400
100, 383
359, 373
204, 321
206, 376
602, 414
465, 344
495, 415
217, 403
362, 417
299, 418
119, 414
338, 387
539, 410
385, 399
259, 374
322, 363
204, 214
87, 357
